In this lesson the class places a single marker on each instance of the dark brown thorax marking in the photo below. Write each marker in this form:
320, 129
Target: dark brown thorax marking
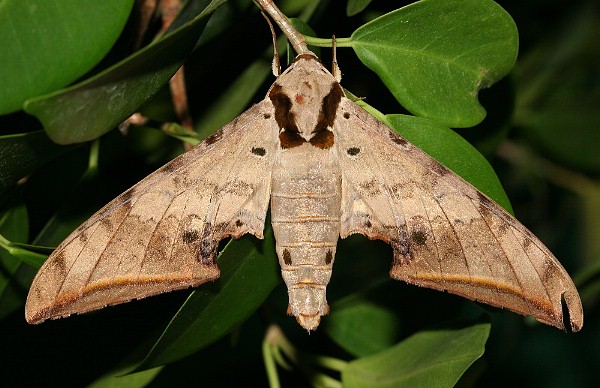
323, 137
290, 135
285, 118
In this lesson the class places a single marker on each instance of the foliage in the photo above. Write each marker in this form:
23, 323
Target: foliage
538, 135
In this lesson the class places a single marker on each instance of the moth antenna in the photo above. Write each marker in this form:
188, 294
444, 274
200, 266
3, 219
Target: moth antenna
275, 65
335, 69
295, 38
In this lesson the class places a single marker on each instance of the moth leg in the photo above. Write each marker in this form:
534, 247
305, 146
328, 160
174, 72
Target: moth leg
275, 65
335, 69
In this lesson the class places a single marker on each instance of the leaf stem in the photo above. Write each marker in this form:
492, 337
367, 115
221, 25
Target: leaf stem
94, 155
269, 359
295, 38
327, 42
276, 345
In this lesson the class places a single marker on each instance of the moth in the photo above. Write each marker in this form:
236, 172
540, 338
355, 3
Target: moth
328, 169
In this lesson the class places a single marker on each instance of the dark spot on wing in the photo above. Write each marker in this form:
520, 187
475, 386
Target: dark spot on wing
238, 187
287, 257
215, 137
401, 247
398, 139
239, 223
439, 168
107, 224
323, 137
208, 246
419, 237
368, 223
126, 196
267, 115
353, 151
370, 188
259, 151
170, 167
83, 237
59, 264
346, 115
190, 236
328, 257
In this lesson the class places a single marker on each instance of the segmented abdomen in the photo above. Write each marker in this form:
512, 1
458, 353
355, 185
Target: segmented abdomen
305, 213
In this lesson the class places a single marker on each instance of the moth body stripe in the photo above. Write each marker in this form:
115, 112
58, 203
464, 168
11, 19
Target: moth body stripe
309, 244
300, 219
311, 195
302, 285
295, 267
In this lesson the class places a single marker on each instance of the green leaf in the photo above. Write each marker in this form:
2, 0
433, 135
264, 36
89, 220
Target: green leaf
93, 107
23, 153
132, 380
450, 149
433, 358
14, 224
434, 56
361, 326
234, 99
249, 272
47, 45
354, 7
31, 254
557, 101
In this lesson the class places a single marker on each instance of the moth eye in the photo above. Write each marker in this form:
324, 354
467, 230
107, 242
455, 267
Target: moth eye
346, 115
353, 151
259, 151
267, 115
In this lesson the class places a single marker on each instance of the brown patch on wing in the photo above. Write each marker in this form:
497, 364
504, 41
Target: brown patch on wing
215, 137
439, 168
398, 139
207, 250
370, 188
190, 236
323, 137
419, 237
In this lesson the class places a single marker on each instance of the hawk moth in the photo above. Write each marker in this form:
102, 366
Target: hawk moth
327, 169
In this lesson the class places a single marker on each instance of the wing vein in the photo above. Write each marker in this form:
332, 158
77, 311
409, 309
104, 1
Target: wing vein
464, 256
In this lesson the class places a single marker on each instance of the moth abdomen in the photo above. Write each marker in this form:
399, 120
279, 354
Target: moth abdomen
306, 218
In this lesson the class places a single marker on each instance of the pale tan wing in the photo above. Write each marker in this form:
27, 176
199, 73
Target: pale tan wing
163, 233
445, 233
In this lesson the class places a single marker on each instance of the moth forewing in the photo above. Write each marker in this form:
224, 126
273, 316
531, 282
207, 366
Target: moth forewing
163, 233
329, 169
